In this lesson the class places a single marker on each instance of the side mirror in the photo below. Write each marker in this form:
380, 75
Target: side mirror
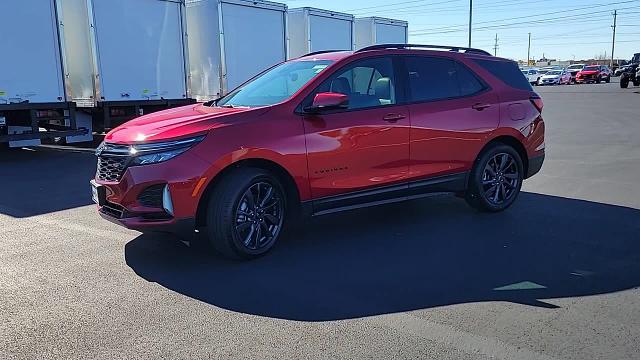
328, 101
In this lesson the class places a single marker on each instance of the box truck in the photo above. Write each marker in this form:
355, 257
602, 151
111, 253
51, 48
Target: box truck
35, 102
311, 30
376, 30
81, 65
126, 57
230, 41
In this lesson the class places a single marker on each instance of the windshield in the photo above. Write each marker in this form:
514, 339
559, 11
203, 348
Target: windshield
275, 85
591, 68
573, 67
555, 72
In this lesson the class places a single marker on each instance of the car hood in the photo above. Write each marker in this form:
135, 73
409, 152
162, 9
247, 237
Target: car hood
176, 123
589, 72
551, 76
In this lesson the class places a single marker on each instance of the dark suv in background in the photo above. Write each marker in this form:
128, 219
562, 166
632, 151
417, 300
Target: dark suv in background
324, 133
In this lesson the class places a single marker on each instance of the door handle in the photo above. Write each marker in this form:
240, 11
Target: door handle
480, 107
393, 117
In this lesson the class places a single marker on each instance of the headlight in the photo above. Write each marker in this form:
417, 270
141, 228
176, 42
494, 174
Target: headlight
153, 153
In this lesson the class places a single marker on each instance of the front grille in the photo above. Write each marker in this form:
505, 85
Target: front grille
111, 168
152, 196
112, 161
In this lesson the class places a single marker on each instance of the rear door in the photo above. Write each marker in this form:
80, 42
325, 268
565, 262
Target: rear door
30, 68
365, 146
140, 49
254, 40
452, 112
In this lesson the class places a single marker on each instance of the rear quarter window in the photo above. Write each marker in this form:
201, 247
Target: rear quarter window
507, 71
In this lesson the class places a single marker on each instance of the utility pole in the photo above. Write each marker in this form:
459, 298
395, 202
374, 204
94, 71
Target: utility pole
529, 51
470, 19
495, 47
613, 42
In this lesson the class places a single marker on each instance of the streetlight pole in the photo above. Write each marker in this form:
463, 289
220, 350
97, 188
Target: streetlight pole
470, 19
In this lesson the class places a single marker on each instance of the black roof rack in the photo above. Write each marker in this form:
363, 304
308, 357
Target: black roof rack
321, 52
439, 47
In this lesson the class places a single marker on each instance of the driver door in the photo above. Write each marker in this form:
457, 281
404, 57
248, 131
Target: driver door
364, 146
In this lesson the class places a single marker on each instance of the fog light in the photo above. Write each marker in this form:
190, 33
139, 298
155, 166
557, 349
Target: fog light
167, 204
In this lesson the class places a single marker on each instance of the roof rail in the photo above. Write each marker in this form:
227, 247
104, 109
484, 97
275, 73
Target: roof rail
439, 47
321, 52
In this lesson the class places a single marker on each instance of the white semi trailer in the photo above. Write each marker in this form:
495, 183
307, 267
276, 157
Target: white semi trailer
230, 41
312, 30
376, 30
71, 66
35, 102
126, 57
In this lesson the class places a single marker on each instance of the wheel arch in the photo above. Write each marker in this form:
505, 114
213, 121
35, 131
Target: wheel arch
287, 180
512, 142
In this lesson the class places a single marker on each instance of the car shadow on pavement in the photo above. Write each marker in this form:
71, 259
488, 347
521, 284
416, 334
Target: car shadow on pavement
410, 256
39, 181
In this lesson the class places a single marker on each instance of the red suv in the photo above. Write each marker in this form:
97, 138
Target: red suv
594, 74
324, 133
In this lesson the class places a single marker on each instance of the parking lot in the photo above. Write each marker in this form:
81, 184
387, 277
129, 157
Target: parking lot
554, 277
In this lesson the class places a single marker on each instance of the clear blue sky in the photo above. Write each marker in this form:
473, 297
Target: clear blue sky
560, 29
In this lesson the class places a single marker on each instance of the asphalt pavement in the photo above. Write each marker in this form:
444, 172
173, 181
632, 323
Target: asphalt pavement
557, 276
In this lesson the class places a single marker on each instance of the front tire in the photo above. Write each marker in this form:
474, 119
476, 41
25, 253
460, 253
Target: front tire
496, 179
246, 213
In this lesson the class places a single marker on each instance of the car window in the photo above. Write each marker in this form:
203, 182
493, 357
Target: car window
275, 85
432, 78
468, 82
368, 83
507, 71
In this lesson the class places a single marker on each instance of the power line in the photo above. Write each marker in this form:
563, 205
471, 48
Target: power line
564, 19
401, 3
412, 9
530, 16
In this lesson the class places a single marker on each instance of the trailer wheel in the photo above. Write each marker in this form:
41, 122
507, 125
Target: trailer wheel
624, 82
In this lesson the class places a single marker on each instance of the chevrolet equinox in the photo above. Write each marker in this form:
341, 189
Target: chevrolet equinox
323, 133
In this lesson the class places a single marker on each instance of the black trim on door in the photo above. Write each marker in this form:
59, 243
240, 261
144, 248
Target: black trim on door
387, 194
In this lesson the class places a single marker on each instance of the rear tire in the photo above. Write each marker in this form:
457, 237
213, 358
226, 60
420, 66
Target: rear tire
246, 213
496, 179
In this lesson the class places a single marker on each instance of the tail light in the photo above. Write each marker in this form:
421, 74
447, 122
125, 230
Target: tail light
47, 114
536, 100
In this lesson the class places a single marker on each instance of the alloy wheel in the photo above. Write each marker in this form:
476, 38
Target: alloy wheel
259, 215
500, 179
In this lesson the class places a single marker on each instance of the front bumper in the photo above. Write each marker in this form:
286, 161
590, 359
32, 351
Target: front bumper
549, 81
132, 202
587, 78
